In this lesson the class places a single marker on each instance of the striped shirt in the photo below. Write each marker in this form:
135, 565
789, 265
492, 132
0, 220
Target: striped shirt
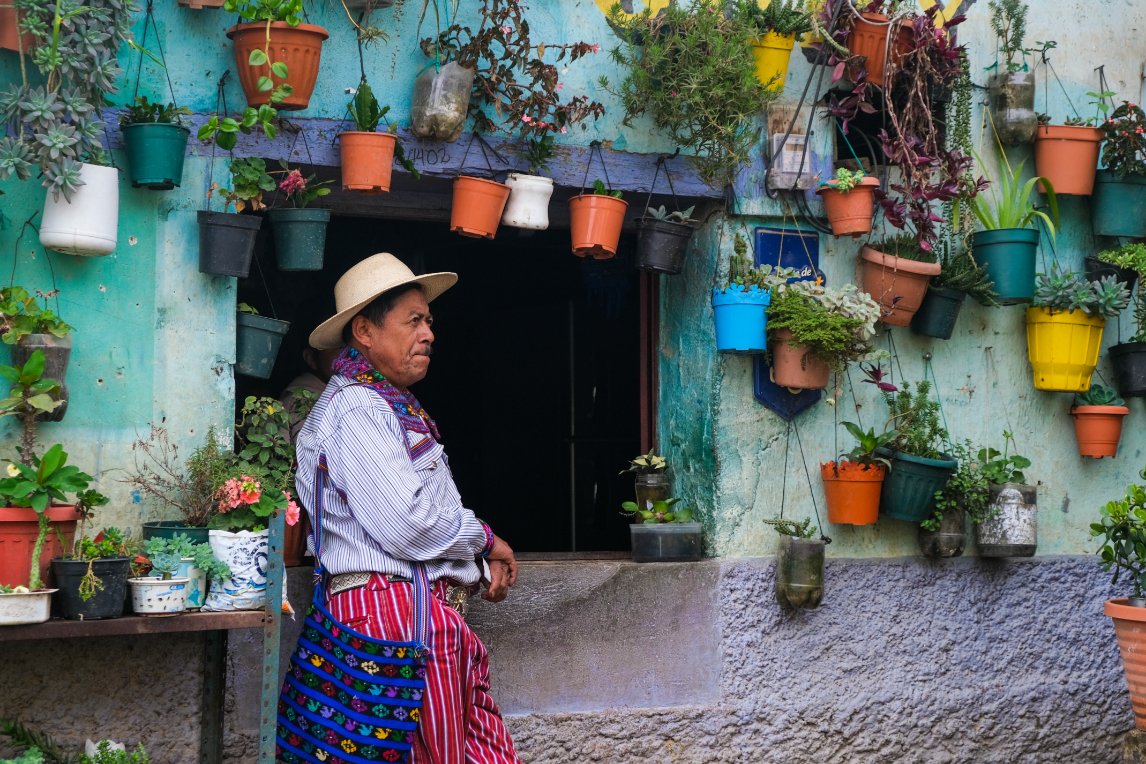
382, 508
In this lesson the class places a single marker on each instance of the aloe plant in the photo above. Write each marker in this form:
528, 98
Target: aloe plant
1009, 204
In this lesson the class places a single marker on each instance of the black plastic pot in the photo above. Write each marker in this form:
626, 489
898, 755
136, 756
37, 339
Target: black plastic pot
949, 541
1096, 269
1129, 361
938, 312
800, 572
661, 245
57, 352
226, 243
108, 601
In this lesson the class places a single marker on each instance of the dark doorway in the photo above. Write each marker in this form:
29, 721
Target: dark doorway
535, 381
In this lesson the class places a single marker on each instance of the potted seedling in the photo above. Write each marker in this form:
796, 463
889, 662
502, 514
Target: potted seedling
1066, 155
852, 484
896, 273
595, 220
163, 593
367, 156
92, 577
1098, 415
663, 532
651, 481
740, 305
299, 230
849, 201
529, 194
1011, 527
155, 141
965, 496
662, 238
799, 564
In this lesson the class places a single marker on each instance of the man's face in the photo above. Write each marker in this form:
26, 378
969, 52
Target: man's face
399, 347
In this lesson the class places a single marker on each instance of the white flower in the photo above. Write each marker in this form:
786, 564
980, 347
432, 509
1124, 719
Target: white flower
13, 470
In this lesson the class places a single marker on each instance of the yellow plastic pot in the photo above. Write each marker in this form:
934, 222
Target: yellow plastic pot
772, 52
1063, 348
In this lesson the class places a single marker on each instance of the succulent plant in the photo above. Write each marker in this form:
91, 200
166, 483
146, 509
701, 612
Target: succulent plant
1066, 290
679, 216
799, 530
1098, 395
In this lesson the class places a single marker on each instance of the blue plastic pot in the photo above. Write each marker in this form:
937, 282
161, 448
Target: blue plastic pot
1118, 205
1008, 256
741, 319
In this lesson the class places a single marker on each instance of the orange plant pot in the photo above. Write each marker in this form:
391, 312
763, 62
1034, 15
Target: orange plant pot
852, 491
10, 37
478, 204
1067, 156
1130, 629
367, 161
849, 212
868, 38
595, 222
300, 48
794, 366
897, 284
18, 530
1098, 429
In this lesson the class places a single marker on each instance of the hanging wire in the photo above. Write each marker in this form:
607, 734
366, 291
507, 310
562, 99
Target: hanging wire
784, 473
220, 108
808, 475
595, 147
928, 367
661, 162
484, 146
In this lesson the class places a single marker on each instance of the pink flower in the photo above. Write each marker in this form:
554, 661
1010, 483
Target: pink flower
596, 48
526, 118
249, 490
506, 29
563, 129
292, 511
559, 86
293, 183
675, 94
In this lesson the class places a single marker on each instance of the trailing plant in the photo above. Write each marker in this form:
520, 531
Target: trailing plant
249, 181
1121, 531
1009, 23
690, 68
660, 511
1066, 290
22, 314
289, 12
966, 491
905, 246
1003, 467
683, 217
1098, 395
1010, 202
108, 543
1130, 255
798, 530
915, 417
782, 17
837, 325
1124, 140
145, 112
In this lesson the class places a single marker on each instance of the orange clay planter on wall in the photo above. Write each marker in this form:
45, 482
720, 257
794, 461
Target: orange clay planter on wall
367, 161
868, 38
477, 207
852, 491
1098, 429
1067, 156
1130, 629
300, 48
595, 222
896, 283
795, 366
849, 212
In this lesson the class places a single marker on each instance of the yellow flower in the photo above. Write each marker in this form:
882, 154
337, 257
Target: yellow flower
13, 471
370, 667
348, 746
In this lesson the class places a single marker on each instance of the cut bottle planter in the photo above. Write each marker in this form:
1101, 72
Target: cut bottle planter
440, 103
1129, 361
1008, 257
661, 245
477, 206
367, 161
1067, 156
528, 205
800, 572
57, 351
666, 542
257, 342
1118, 207
938, 312
1013, 107
850, 212
796, 366
772, 53
300, 237
299, 47
157, 596
87, 224
651, 486
227, 242
740, 316
19, 527
951, 538
1063, 348
852, 491
909, 490
595, 222
155, 153
897, 284
1098, 429
1130, 630
1012, 530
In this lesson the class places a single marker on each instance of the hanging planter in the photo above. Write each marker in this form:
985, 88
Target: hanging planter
367, 161
800, 572
1013, 107
1098, 429
158, 596
477, 206
595, 222
1129, 362
851, 491
86, 224
772, 52
661, 244
1012, 527
1130, 630
300, 237
257, 342
155, 153
1063, 348
740, 316
909, 490
528, 205
19, 527
1097, 269
869, 38
1067, 156
201, 4
1118, 207
108, 599
796, 366
441, 101
226, 242
951, 538
1008, 257
896, 283
938, 312
10, 37
849, 210
298, 47
57, 352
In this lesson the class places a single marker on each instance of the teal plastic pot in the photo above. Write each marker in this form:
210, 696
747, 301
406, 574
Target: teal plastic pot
167, 529
741, 319
300, 238
257, 344
909, 489
1008, 256
155, 154
938, 312
1118, 205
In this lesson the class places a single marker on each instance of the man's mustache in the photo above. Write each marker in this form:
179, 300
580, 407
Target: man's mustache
428, 350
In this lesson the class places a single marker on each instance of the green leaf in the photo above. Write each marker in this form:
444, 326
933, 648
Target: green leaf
279, 69
258, 57
265, 84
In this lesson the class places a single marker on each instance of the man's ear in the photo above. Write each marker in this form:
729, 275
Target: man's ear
362, 330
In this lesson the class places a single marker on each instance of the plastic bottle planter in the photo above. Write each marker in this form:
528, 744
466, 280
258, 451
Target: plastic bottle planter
299, 47
19, 527
938, 312
661, 245
1008, 257
800, 573
367, 161
107, 602
1096, 269
666, 542
741, 317
1130, 630
300, 237
897, 284
1013, 107
441, 102
528, 205
1098, 429
595, 222
477, 206
226, 242
852, 491
850, 212
868, 38
651, 486
772, 53
155, 154
909, 490
196, 588
1067, 156
795, 366
57, 351
17, 609
1118, 207
257, 344
156, 596
1063, 348
951, 538
87, 224
1013, 529
1129, 362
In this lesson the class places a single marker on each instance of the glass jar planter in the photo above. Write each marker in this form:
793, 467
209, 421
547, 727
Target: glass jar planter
650, 487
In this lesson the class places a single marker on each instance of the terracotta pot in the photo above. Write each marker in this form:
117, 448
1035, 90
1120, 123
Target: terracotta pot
794, 366
18, 529
10, 38
595, 222
478, 204
1067, 156
367, 161
1098, 429
896, 283
1130, 629
852, 491
850, 212
300, 48
868, 38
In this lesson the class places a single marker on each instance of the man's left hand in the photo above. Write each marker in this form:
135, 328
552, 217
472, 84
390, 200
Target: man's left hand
500, 581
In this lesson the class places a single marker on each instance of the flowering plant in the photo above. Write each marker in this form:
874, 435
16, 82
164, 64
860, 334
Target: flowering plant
243, 505
301, 191
646, 464
1124, 145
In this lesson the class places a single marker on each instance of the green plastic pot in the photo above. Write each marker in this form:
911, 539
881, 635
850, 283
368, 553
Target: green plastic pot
257, 344
300, 238
1118, 205
909, 489
938, 312
1008, 256
167, 529
155, 154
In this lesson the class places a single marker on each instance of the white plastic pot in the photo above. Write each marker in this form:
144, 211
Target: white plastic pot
26, 607
196, 582
87, 224
156, 596
528, 205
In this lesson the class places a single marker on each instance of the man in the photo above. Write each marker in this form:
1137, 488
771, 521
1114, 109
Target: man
389, 502
307, 386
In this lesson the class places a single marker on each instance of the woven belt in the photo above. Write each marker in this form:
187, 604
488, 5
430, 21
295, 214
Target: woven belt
457, 595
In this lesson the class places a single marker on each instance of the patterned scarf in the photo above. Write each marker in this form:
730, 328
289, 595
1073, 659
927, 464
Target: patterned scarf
350, 363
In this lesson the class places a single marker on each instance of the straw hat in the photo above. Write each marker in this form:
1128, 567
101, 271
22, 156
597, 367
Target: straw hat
363, 283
